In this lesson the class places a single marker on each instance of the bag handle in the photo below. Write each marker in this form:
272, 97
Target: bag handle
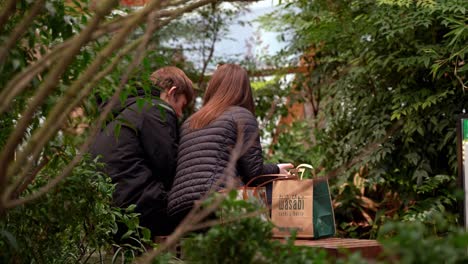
289, 177
301, 168
277, 176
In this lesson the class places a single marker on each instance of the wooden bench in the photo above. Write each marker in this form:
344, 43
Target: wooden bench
335, 247
340, 247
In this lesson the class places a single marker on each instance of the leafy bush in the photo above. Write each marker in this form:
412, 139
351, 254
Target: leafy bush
390, 80
246, 240
418, 242
71, 223
249, 240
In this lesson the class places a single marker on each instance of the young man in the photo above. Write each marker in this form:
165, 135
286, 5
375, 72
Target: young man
141, 157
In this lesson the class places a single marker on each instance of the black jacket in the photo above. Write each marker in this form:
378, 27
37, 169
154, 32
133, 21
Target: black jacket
204, 154
140, 157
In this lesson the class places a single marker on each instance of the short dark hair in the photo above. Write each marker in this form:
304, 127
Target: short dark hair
169, 76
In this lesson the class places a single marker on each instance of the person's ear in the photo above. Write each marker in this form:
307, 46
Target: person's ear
172, 91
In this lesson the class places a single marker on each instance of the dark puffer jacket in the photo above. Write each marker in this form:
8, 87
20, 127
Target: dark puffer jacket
204, 154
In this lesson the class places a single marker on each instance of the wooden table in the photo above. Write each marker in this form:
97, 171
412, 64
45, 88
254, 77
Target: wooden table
339, 247
335, 247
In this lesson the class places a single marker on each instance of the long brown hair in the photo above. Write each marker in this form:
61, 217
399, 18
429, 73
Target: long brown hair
229, 86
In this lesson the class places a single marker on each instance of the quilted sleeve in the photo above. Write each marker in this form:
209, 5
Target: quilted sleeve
250, 163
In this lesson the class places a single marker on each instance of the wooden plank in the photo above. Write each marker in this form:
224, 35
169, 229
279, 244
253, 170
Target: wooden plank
339, 247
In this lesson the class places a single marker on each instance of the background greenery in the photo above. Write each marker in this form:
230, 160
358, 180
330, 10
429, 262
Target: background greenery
390, 77
387, 80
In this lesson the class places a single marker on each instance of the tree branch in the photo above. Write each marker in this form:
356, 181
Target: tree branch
116, 24
86, 91
19, 83
65, 105
53, 122
145, 40
52, 79
70, 50
7, 10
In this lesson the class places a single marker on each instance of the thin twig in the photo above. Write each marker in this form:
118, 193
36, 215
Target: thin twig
118, 23
89, 256
460, 80
193, 218
214, 39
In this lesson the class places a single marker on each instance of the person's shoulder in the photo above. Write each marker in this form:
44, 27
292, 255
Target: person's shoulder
238, 110
231, 116
186, 124
241, 114
161, 107
161, 110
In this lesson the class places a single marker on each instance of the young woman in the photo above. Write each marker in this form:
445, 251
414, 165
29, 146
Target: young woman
209, 136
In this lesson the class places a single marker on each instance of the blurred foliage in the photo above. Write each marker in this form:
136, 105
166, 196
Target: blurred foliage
74, 223
249, 240
418, 242
244, 240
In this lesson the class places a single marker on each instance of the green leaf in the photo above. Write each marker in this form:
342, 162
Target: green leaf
117, 128
140, 103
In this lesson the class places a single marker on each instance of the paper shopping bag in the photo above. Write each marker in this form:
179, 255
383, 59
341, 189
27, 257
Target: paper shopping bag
292, 208
302, 205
